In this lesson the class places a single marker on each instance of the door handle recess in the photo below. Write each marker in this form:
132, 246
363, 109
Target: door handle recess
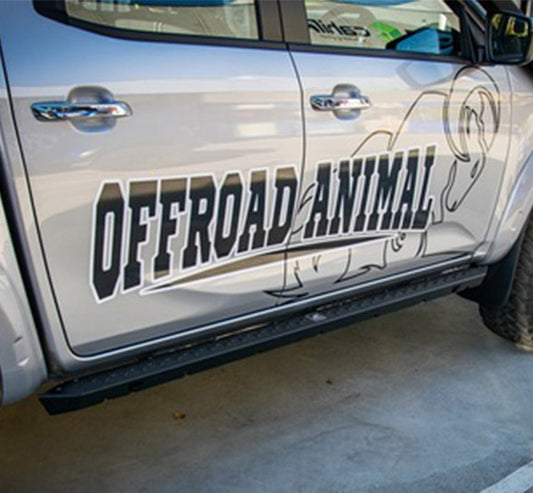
49, 111
335, 103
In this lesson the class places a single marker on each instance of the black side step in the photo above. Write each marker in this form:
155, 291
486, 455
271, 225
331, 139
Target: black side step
88, 390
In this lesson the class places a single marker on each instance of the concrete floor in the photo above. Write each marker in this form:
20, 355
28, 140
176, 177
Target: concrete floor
424, 400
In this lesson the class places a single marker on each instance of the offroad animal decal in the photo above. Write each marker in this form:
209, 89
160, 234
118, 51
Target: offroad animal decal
159, 234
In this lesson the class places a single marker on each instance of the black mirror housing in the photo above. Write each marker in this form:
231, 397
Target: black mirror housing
509, 38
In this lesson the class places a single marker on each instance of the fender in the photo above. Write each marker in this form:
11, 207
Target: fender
22, 364
502, 256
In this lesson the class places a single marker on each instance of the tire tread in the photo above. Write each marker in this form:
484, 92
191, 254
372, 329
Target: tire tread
513, 321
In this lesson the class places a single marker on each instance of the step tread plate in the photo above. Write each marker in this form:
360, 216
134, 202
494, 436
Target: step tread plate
150, 371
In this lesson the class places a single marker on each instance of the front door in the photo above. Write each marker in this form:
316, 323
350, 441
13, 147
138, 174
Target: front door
406, 142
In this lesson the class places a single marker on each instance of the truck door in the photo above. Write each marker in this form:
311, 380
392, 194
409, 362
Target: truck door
406, 141
161, 139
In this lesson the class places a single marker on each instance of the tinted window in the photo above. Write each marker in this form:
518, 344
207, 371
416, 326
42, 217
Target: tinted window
223, 18
422, 26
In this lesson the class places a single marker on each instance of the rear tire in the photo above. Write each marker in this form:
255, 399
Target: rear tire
514, 320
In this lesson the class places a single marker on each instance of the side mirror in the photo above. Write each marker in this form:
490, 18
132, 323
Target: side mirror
509, 38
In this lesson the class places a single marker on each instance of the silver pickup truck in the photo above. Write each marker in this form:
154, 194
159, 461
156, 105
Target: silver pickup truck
187, 182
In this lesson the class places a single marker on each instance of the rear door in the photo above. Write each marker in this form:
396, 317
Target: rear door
406, 141
162, 141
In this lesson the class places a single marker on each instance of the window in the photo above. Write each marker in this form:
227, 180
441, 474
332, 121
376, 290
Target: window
420, 26
222, 18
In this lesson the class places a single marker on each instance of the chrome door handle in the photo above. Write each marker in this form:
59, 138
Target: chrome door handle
345, 102
336, 103
48, 111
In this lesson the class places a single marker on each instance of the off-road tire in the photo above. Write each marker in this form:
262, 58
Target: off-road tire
514, 320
